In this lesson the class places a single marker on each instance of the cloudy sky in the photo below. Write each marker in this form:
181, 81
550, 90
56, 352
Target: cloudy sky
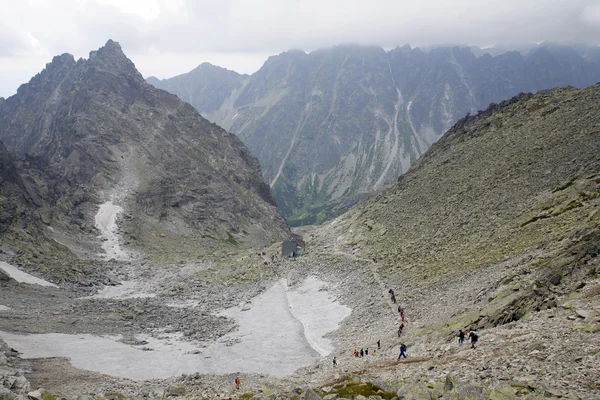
169, 37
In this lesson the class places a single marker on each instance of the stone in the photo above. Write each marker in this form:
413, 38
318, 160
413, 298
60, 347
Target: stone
175, 391
585, 314
36, 395
157, 393
330, 396
21, 384
4, 277
449, 384
311, 395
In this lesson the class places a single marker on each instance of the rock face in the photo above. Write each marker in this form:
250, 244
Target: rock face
335, 124
103, 134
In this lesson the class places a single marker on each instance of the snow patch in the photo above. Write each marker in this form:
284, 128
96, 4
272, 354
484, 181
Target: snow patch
280, 331
4, 308
23, 277
318, 313
106, 222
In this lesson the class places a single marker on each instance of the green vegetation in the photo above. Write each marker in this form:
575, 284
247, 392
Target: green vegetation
349, 390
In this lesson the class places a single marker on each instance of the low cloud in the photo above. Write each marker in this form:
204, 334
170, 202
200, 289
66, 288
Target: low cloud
232, 28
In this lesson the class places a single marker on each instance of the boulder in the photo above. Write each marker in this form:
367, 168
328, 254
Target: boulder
175, 391
4, 277
311, 395
21, 384
585, 314
36, 395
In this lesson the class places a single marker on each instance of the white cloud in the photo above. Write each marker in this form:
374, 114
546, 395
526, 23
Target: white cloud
194, 31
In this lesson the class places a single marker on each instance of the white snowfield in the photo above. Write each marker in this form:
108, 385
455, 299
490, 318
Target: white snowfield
281, 331
23, 277
106, 222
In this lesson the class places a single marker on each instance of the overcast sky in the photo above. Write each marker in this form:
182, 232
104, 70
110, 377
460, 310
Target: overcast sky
168, 37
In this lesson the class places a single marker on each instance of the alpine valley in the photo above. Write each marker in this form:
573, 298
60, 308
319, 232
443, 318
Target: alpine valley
333, 125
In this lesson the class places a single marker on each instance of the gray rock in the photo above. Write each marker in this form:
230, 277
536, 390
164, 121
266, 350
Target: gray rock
4, 276
449, 384
175, 391
585, 314
311, 395
158, 393
36, 395
21, 384
330, 396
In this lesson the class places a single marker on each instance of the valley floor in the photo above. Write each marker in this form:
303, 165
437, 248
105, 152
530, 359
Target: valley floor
187, 310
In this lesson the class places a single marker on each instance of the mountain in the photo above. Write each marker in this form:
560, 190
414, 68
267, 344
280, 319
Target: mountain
102, 134
516, 186
332, 125
496, 229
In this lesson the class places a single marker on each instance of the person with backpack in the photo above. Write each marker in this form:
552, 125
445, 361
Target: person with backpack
461, 337
402, 351
474, 336
392, 295
400, 329
237, 382
362, 353
378, 344
334, 362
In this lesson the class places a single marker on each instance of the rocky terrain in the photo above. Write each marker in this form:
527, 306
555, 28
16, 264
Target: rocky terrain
92, 132
330, 126
496, 229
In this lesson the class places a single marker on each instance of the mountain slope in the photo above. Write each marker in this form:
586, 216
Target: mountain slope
187, 187
517, 185
335, 124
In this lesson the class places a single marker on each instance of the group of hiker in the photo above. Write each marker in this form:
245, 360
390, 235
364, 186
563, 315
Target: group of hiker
473, 337
402, 316
365, 352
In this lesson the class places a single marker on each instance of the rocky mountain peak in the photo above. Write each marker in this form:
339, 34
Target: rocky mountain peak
107, 135
111, 58
60, 62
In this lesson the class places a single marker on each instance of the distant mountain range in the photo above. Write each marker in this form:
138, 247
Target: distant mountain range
330, 126
82, 133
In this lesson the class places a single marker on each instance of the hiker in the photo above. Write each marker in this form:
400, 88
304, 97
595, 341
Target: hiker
402, 351
334, 362
355, 353
474, 338
402, 315
378, 345
237, 382
392, 295
461, 337
393, 299
400, 329
367, 352
362, 353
